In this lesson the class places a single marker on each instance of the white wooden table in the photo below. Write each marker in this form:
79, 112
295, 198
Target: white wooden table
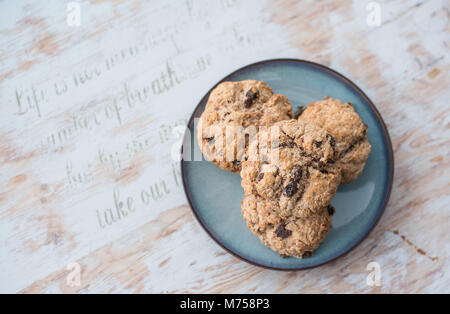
91, 200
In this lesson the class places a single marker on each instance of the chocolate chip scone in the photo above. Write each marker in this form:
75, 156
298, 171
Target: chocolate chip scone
340, 120
298, 173
287, 191
289, 236
237, 109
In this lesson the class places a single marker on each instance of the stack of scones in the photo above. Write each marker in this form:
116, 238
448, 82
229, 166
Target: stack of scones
290, 165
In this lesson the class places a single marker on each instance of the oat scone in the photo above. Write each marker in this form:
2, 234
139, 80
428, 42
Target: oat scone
288, 181
340, 120
298, 176
289, 236
233, 109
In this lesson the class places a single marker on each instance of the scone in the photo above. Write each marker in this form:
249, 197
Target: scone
233, 110
340, 120
287, 190
298, 176
289, 236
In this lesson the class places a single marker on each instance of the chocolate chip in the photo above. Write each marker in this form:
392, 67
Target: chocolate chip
307, 254
323, 171
332, 140
317, 144
251, 95
260, 176
282, 232
291, 189
331, 210
236, 163
299, 111
209, 139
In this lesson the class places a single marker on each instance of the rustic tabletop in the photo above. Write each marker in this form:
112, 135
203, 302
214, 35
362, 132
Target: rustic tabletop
93, 95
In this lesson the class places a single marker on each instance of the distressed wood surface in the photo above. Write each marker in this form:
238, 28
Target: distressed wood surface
89, 115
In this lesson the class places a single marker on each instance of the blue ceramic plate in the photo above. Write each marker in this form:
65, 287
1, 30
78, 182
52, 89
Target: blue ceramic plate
215, 195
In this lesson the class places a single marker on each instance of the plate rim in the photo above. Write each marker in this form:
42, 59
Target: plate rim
389, 149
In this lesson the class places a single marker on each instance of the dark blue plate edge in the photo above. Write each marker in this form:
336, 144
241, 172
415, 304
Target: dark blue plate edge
387, 142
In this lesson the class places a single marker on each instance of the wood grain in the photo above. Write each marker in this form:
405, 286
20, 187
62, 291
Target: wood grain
96, 121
